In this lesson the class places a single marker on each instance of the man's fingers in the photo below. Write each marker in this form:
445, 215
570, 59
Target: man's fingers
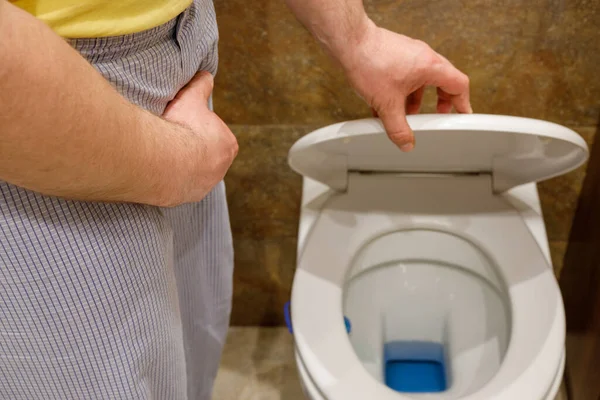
461, 103
194, 93
444, 103
453, 83
202, 83
397, 128
414, 100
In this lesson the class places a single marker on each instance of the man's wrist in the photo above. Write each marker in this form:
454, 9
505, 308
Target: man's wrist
167, 163
344, 48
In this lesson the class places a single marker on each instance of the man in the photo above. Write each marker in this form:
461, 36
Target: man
115, 247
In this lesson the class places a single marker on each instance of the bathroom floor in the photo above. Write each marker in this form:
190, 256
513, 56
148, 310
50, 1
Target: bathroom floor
258, 364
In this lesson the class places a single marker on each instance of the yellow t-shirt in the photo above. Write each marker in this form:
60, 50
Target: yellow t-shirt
98, 18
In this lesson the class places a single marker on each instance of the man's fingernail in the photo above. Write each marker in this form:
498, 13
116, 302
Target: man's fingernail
470, 109
407, 147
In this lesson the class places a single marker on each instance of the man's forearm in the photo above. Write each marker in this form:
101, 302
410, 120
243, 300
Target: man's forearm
65, 131
336, 24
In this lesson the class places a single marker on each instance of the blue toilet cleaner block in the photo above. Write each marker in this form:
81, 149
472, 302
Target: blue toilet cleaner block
415, 367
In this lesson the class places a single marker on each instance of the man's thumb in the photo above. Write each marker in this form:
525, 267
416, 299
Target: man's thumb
397, 128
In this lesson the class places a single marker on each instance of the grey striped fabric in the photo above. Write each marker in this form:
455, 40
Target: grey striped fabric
119, 301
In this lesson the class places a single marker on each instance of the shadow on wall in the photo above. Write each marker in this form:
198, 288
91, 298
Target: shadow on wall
264, 201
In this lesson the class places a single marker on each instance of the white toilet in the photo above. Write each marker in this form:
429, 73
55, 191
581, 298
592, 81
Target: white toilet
427, 275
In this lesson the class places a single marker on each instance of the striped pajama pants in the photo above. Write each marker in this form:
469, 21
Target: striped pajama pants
119, 301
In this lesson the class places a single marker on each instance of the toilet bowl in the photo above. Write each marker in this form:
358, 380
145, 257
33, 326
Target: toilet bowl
427, 275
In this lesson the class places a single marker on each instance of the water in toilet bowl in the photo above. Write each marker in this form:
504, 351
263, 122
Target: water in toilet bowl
425, 320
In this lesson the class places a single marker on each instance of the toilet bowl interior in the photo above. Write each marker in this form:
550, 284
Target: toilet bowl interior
429, 312
374, 254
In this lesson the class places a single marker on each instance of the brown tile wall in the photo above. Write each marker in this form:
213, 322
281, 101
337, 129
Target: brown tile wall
535, 58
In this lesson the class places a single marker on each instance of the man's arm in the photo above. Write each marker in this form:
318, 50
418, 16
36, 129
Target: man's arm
65, 131
388, 70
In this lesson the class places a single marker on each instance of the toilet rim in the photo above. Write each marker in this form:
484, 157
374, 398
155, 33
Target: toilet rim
354, 382
348, 378
310, 388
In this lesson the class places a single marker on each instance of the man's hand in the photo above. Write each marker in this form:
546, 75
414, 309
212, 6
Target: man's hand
67, 132
388, 70
218, 145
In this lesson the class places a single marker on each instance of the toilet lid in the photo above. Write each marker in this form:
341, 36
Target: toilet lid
514, 150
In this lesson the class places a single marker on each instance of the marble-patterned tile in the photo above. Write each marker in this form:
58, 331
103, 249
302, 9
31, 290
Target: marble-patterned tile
536, 59
272, 71
262, 191
258, 364
264, 272
264, 199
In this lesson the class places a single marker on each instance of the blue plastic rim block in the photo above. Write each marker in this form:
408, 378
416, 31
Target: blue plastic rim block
415, 367
288, 319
